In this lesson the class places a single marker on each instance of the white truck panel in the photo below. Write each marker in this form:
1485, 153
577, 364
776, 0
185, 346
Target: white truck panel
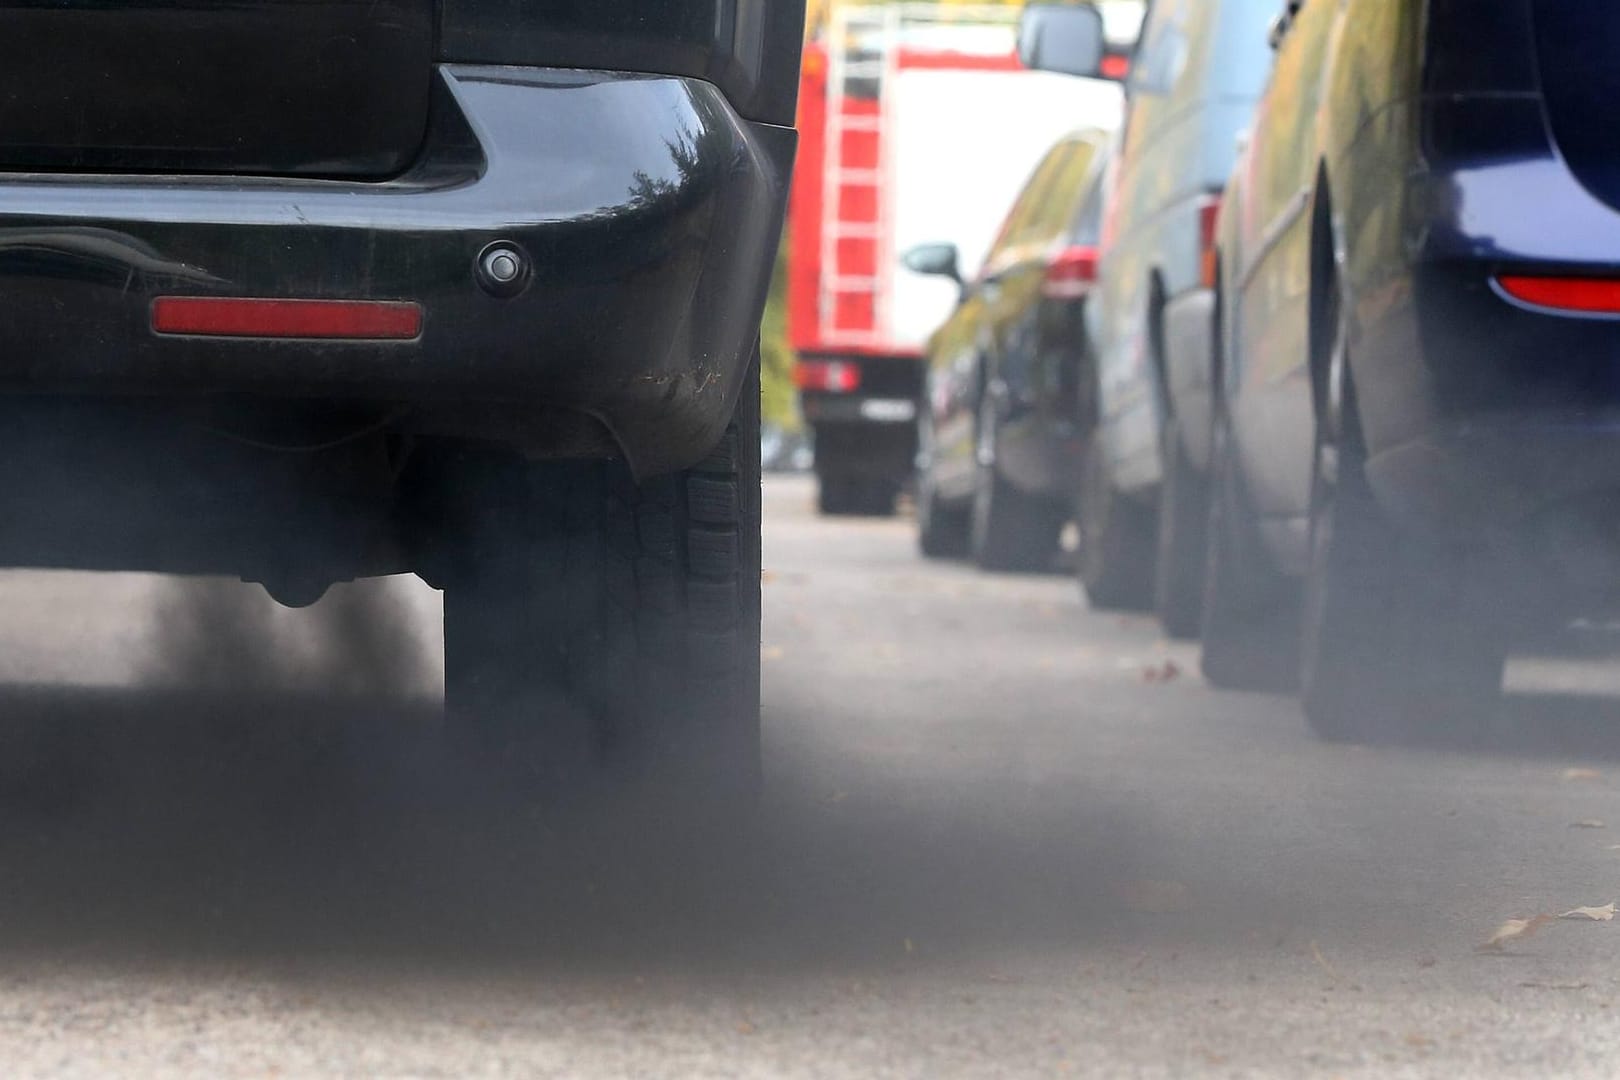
962, 144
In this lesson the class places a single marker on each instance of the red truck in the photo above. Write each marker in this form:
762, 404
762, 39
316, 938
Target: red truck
918, 124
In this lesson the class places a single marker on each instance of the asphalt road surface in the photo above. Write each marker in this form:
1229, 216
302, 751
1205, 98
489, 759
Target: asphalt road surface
1004, 836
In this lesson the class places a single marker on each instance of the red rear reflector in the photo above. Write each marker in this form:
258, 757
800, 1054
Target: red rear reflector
223, 316
1209, 213
1116, 67
829, 376
1071, 273
1596, 296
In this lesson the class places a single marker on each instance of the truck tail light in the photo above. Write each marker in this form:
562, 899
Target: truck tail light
827, 376
1585, 296
1071, 273
242, 317
1209, 212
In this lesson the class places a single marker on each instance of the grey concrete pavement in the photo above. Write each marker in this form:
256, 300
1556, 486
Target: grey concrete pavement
1004, 836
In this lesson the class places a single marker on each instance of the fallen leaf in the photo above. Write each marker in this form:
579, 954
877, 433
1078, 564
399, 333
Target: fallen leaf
771, 652
1514, 929
1582, 774
1589, 823
767, 576
1153, 897
1323, 962
1596, 914
746, 1027
1418, 1041
1161, 673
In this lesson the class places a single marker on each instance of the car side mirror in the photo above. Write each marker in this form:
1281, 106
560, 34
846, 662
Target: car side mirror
935, 260
1283, 23
1066, 38
1275, 32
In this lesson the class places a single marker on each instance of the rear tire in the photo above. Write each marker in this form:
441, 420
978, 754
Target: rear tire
834, 495
1183, 525
1010, 529
942, 530
846, 495
1250, 624
591, 619
1115, 561
1394, 640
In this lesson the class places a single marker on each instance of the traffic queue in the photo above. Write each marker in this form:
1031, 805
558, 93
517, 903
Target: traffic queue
1313, 343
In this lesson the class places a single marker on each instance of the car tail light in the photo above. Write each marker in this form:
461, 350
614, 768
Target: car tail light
828, 376
1071, 273
1209, 212
1588, 296
239, 317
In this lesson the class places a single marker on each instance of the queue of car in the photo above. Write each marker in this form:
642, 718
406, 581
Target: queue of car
1318, 352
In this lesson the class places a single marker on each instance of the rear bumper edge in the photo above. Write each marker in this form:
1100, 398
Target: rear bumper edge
649, 210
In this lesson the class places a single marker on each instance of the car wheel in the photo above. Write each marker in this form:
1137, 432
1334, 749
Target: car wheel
1178, 577
835, 494
942, 529
592, 620
1250, 624
840, 495
1009, 529
1115, 560
877, 497
1393, 640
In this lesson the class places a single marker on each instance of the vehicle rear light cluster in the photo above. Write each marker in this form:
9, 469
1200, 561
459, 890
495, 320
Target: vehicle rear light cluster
828, 376
248, 317
1578, 295
1209, 212
1071, 273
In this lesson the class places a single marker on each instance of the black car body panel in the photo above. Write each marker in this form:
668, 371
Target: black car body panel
1013, 347
322, 87
1576, 49
648, 209
748, 48
1410, 154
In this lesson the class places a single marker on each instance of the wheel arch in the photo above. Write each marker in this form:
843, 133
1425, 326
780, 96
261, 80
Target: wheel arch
1158, 364
1326, 295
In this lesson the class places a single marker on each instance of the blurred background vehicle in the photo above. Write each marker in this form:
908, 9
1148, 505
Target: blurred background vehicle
1420, 281
999, 430
783, 449
1142, 478
918, 124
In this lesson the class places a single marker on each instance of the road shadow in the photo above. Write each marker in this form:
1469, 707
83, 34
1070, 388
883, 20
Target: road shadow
272, 829
257, 828
1546, 725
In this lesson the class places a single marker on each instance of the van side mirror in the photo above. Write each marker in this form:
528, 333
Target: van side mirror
1066, 38
935, 260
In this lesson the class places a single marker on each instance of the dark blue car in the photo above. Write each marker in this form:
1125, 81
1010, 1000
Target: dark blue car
1417, 436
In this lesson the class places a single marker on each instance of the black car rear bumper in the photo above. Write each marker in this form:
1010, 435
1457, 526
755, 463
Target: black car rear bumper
648, 210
